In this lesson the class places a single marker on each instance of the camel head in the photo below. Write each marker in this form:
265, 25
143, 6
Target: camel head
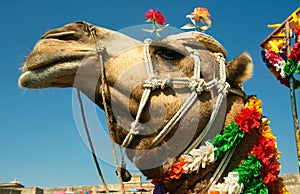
60, 52
67, 57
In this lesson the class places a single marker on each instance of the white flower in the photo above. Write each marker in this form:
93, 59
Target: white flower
279, 66
233, 185
199, 157
230, 185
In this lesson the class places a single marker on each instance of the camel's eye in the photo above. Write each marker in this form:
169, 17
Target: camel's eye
168, 54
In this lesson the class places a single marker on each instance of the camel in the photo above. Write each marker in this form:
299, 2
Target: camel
72, 56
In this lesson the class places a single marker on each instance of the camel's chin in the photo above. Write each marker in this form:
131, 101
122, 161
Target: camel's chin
59, 76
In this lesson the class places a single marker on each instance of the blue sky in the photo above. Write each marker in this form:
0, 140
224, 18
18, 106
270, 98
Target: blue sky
39, 142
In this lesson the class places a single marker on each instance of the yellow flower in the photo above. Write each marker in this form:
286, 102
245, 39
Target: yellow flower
255, 103
265, 129
268, 135
277, 155
200, 12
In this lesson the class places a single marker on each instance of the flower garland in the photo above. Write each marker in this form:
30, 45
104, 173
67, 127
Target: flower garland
257, 174
282, 68
293, 63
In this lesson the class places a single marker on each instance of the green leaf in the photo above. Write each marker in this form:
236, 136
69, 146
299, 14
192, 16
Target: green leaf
148, 30
157, 34
149, 20
188, 27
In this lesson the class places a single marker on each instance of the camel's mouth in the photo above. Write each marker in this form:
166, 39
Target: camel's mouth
55, 71
53, 63
54, 75
60, 74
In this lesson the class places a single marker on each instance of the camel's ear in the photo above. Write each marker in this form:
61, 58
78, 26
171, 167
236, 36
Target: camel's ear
239, 69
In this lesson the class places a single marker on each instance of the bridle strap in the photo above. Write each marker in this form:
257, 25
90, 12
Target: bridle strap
108, 118
91, 143
196, 84
238, 92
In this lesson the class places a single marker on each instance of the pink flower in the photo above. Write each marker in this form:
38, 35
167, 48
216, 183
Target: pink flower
272, 57
155, 16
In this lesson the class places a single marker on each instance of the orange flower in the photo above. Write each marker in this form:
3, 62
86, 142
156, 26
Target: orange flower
200, 12
213, 192
177, 170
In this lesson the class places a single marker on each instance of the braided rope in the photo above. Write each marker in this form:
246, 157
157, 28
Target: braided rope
148, 86
223, 87
197, 86
109, 121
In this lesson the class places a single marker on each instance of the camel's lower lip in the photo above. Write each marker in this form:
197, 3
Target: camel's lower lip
59, 75
42, 71
62, 74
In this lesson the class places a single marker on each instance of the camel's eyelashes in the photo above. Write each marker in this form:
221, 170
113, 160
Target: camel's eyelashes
168, 54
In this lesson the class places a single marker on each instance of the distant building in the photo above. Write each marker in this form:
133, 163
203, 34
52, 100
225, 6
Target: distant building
134, 186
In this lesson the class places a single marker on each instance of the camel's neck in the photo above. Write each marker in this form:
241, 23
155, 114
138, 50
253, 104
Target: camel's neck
234, 107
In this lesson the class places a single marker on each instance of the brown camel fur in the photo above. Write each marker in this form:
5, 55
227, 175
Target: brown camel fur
66, 57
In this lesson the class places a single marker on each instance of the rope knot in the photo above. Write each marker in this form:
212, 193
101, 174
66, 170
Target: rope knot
197, 85
167, 81
152, 84
220, 57
134, 128
100, 50
223, 88
155, 83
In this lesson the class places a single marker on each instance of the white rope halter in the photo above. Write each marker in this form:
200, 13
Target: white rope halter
197, 86
195, 83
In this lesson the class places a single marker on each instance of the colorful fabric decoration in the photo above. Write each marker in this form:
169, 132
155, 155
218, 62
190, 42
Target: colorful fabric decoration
230, 185
199, 158
293, 63
274, 55
276, 63
257, 174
